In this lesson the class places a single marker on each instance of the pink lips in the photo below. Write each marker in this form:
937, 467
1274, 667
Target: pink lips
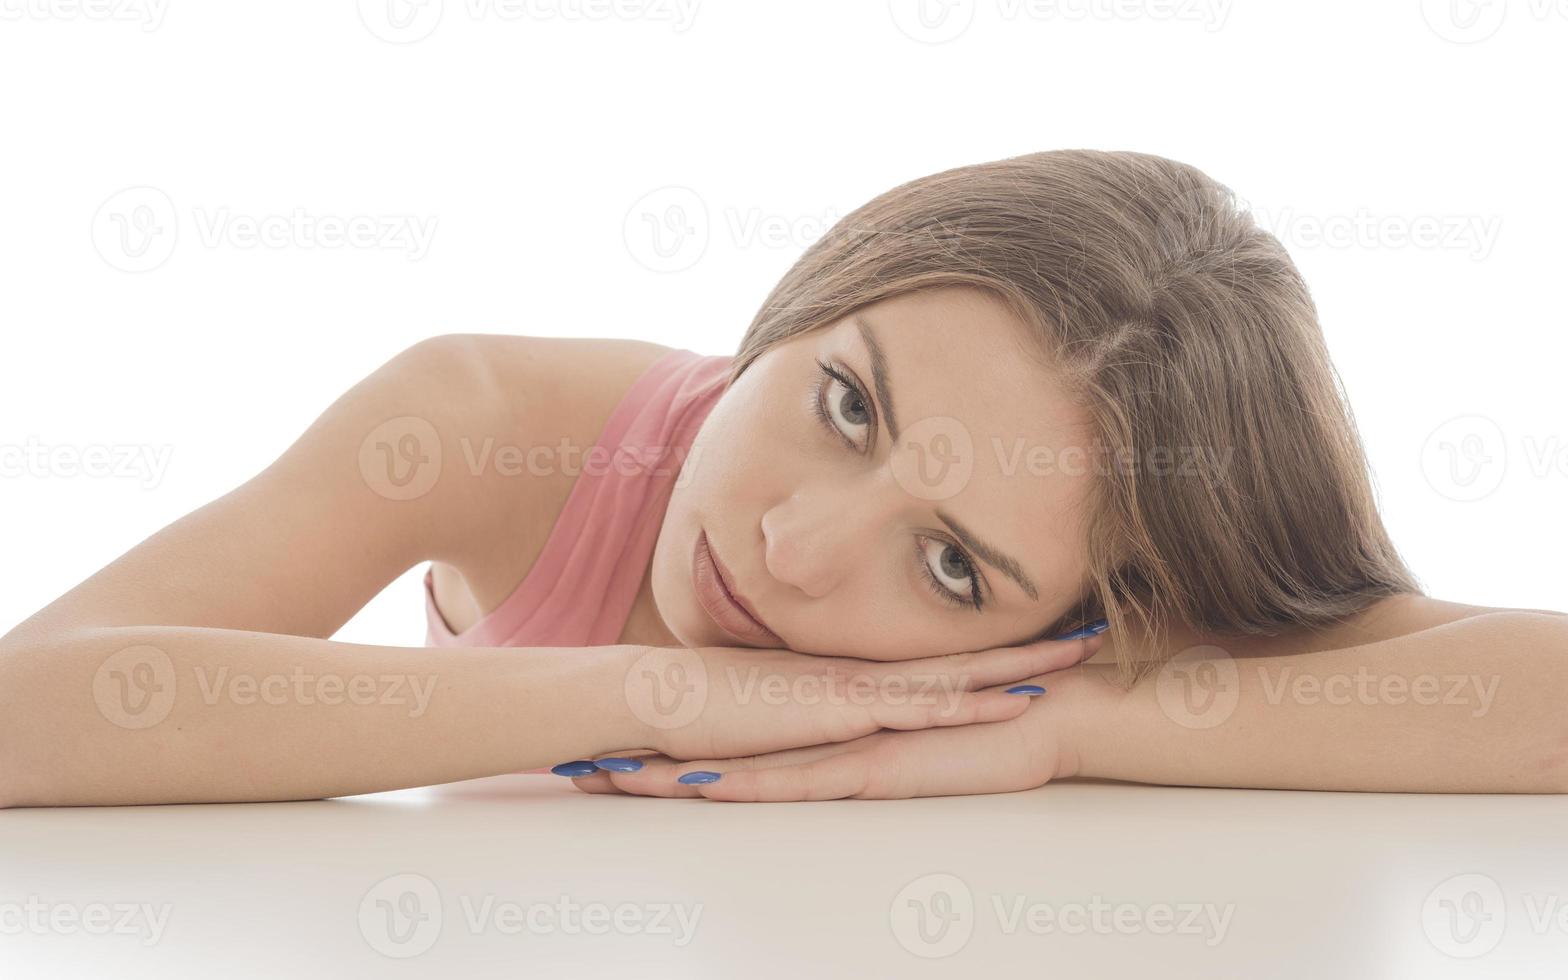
710, 579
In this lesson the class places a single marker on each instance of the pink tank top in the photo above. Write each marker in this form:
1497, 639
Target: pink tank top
581, 588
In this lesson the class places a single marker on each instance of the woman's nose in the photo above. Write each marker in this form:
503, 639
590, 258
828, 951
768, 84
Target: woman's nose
818, 535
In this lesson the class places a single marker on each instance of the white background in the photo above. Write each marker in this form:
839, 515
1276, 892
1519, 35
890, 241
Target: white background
529, 138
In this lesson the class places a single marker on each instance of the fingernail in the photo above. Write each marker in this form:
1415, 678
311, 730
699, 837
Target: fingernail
581, 767
699, 777
1029, 689
1096, 627
619, 765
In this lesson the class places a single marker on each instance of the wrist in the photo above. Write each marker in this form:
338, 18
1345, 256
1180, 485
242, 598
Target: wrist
1078, 706
622, 710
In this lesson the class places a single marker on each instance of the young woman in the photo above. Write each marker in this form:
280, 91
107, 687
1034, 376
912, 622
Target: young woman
995, 406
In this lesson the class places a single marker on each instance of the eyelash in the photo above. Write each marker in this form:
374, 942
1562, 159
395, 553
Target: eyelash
831, 373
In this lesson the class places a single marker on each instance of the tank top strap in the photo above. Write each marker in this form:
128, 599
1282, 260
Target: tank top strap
581, 589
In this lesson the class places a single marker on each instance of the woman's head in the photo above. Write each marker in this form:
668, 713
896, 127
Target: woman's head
1098, 366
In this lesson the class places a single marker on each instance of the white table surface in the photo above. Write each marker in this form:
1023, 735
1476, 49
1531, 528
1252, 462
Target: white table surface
1079, 879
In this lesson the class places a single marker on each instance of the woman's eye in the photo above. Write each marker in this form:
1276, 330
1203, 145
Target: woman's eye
842, 406
949, 572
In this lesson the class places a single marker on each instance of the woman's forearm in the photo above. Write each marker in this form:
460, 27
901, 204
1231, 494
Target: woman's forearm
162, 714
1475, 706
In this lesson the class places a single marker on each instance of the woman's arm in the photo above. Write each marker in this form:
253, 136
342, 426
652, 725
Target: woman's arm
227, 610
170, 714
1475, 705
1479, 705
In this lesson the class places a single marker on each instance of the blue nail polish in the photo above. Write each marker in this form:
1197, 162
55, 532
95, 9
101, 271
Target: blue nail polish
692, 778
1029, 689
619, 765
1096, 627
575, 769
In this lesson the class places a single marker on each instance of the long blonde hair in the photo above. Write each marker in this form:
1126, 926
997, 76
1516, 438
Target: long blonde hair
1177, 322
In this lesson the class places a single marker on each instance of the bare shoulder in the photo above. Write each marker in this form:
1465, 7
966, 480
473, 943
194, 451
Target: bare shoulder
537, 403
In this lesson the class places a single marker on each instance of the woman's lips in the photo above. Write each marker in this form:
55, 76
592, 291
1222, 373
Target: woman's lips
728, 610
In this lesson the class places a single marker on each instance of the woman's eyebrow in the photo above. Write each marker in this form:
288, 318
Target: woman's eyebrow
879, 374
1005, 564
992, 556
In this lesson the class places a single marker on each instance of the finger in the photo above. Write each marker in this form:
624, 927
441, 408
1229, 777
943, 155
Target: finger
833, 777
657, 777
599, 782
1001, 665
664, 779
936, 708
951, 762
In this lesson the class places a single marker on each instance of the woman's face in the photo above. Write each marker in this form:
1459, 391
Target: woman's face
924, 510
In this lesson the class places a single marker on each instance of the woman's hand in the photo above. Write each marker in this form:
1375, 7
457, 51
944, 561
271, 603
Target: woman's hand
1019, 752
727, 702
